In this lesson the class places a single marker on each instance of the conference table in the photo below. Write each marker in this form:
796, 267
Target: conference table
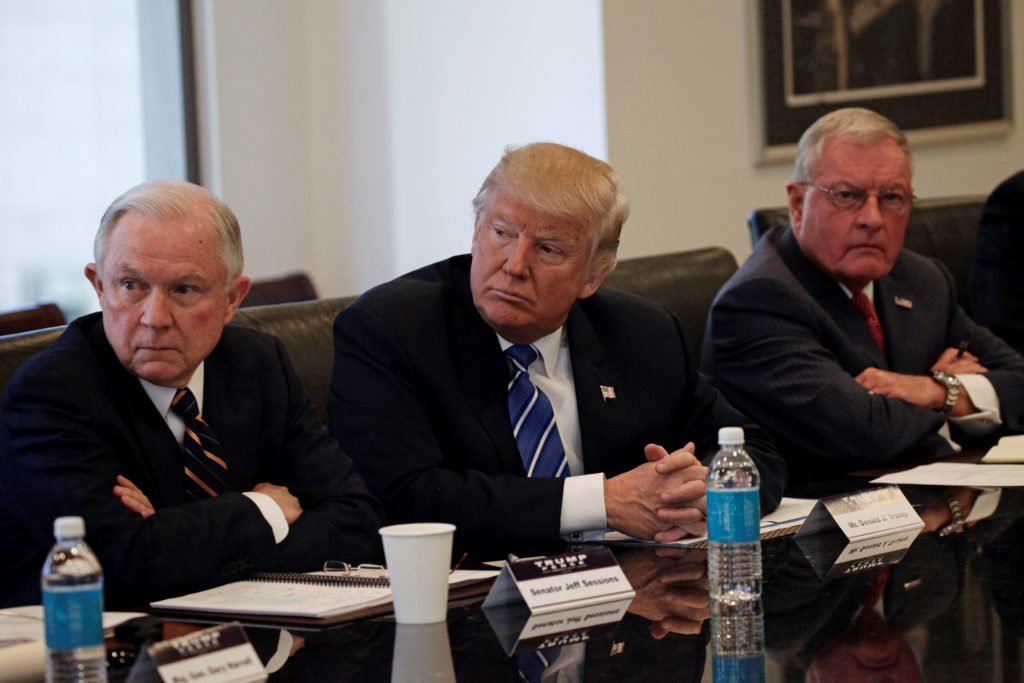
951, 609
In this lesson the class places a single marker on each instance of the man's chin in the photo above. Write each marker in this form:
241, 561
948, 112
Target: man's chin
161, 373
857, 278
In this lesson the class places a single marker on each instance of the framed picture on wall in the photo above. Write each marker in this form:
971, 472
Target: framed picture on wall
935, 67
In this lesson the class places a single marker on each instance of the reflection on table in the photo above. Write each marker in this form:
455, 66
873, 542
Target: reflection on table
951, 609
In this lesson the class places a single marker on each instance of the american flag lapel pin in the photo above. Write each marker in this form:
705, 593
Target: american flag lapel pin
902, 303
607, 392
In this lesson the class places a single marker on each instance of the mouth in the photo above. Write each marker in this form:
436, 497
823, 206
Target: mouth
154, 349
868, 247
509, 296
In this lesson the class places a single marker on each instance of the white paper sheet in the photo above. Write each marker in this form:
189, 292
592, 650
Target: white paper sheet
957, 474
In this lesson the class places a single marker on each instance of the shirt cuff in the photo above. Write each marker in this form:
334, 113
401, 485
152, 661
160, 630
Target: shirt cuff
284, 650
983, 396
583, 504
271, 512
985, 504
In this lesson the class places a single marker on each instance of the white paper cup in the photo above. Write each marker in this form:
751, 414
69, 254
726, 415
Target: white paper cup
418, 556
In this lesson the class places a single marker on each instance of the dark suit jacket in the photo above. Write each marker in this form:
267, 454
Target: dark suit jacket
419, 400
73, 419
784, 344
995, 283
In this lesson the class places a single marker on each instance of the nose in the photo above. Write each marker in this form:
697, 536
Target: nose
870, 214
516, 259
156, 310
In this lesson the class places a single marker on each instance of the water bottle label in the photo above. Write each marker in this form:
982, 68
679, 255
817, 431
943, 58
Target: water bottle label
734, 515
73, 616
738, 669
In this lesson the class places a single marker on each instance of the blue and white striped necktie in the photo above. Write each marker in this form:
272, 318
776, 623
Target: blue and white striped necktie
533, 420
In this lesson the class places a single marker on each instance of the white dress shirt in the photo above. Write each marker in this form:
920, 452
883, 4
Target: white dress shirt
583, 495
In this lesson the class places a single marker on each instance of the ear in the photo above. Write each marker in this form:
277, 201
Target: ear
796, 193
594, 280
236, 292
92, 274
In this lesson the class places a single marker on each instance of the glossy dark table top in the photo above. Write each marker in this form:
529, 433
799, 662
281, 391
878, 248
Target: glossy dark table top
951, 610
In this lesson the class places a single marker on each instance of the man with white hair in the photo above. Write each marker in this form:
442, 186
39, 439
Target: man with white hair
188, 445
849, 349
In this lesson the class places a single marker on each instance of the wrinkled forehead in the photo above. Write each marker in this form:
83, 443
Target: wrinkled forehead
865, 165
186, 244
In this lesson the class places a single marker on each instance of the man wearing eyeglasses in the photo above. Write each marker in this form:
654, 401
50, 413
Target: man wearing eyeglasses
849, 349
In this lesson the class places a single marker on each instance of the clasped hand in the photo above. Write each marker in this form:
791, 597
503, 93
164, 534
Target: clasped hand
661, 500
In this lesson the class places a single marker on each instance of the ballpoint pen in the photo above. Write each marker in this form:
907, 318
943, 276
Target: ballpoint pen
963, 345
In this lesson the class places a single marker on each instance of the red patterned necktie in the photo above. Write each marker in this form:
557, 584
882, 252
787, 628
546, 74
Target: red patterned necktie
877, 587
867, 309
204, 470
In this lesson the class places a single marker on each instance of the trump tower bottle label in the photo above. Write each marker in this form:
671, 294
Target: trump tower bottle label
734, 515
73, 617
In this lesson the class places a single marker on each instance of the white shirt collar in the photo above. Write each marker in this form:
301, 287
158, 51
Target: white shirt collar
162, 396
548, 348
869, 291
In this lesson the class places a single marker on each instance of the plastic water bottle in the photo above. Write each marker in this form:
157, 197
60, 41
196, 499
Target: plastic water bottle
72, 584
734, 561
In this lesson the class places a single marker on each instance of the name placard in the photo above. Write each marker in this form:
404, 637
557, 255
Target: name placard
518, 630
214, 655
560, 582
860, 531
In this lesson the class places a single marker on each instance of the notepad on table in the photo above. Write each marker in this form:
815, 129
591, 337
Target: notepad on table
1009, 449
324, 597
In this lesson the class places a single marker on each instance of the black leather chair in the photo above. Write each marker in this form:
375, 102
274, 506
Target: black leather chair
306, 329
944, 228
27, 318
281, 290
686, 282
15, 349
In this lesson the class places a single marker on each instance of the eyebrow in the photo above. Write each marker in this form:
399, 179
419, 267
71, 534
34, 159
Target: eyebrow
128, 271
892, 186
122, 270
502, 218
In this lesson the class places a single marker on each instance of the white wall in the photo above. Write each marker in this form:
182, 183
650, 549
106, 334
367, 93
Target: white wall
254, 126
466, 79
683, 126
350, 135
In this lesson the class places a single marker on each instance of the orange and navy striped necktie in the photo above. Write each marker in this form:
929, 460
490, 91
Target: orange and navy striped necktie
204, 470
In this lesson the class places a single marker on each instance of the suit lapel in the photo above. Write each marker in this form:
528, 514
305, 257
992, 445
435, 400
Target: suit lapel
899, 323
160, 454
483, 374
232, 404
600, 415
827, 293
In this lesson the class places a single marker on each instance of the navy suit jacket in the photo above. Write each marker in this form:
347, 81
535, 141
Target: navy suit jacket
73, 418
419, 400
996, 280
784, 344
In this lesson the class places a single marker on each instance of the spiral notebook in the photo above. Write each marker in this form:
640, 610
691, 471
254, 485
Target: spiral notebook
323, 597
